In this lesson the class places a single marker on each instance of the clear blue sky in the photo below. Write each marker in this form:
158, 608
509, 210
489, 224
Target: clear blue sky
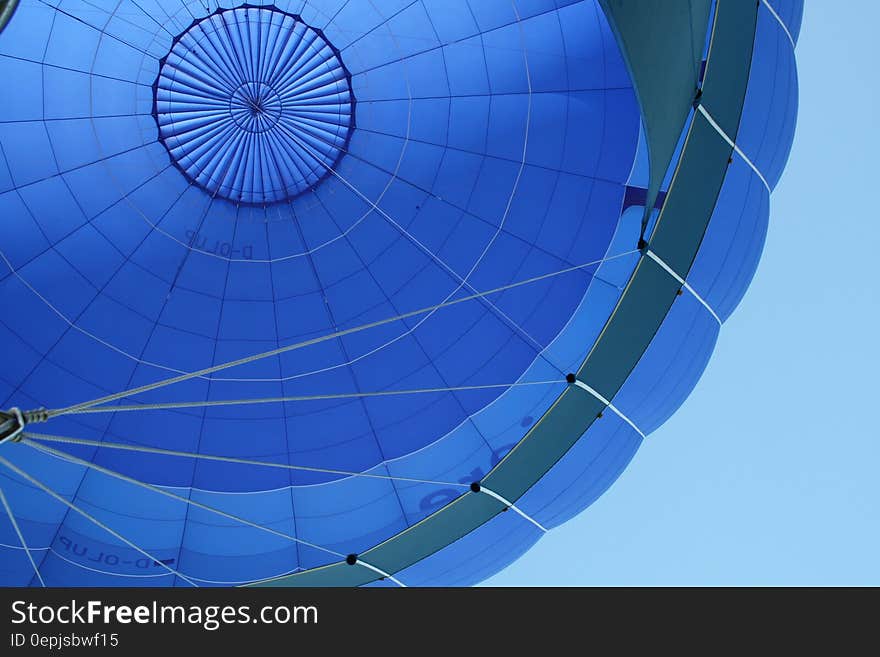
770, 472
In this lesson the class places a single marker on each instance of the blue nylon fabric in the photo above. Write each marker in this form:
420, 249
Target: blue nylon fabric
773, 88
722, 271
159, 277
478, 555
791, 12
733, 242
489, 142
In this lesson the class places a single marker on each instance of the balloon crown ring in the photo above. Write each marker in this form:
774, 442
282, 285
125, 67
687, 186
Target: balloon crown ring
258, 125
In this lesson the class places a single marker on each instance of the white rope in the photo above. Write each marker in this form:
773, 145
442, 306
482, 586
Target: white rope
157, 575
779, 20
511, 505
462, 282
381, 572
298, 398
732, 144
18, 547
101, 571
583, 386
20, 536
19, 419
228, 459
161, 491
60, 555
653, 256
39, 484
323, 338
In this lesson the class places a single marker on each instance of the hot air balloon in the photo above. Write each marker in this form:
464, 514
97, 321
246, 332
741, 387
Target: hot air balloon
338, 293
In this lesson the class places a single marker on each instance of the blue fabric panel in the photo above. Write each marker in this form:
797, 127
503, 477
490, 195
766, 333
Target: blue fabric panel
767, 128
732, 246
584, 473
476, 556
178, 197
671, 366
791, 12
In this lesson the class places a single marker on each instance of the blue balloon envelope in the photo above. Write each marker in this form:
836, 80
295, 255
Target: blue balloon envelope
314, 292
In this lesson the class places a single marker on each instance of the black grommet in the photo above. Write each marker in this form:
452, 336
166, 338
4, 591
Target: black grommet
571, 378
475, 487
599, 414
351, 559
642, 244
697, 97
678, 292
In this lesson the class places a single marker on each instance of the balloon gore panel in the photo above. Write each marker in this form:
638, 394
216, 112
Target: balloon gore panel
404, 223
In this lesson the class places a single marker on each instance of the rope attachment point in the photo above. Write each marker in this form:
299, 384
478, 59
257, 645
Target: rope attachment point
13, 422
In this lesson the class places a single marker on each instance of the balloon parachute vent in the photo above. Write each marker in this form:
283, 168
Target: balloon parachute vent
260, 124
